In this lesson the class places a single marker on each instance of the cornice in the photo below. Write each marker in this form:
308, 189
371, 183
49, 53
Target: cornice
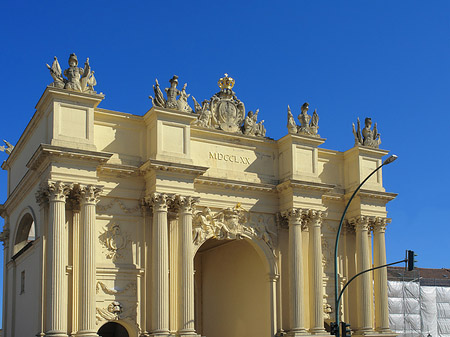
370, 194
301, 139
120, 169
168, 113
235, 184
240, 140
64, 93
161, 165
305, 185
47, 152
365, 150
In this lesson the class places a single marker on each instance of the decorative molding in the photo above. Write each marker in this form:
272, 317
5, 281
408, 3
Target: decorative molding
4, 236
47, 153
369, 194
114, 242
235, 184
161, 165
304, 185
127, 210
57, 190
131, 287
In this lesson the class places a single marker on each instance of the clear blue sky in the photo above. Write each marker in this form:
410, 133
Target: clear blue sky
389, 60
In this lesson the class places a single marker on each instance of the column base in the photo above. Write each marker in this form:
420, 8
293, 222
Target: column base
160, 334
56, 334
373, 333
319, 331
86, 334
188, 334
297, 333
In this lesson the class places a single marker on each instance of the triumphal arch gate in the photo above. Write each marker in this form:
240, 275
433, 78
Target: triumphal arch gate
187, 220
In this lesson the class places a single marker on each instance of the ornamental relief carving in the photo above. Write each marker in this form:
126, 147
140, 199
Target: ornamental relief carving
233, 223
102, 208
130, 288
116, 310
114, 242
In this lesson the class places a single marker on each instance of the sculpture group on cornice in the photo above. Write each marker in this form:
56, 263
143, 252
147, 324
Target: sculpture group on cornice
367, 137
77, 79
224, 111
308, 125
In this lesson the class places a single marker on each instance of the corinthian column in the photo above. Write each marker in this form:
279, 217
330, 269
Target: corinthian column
57, 260
365, 303
160, 266
88, 197
186, 278
380, 277
315, 222
296, 282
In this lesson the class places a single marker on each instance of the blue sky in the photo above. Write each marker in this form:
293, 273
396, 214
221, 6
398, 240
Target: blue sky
389, 60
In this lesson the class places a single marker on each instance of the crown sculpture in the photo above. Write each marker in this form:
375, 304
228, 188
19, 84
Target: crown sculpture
78, 79
308, 126
367, 137
224, 111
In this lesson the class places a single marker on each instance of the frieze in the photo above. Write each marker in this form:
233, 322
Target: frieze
123, 207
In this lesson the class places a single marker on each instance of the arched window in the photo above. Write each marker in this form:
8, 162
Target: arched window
26, 232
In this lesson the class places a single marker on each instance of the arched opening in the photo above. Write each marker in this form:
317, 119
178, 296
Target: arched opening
232, 291
113, 329
26, 232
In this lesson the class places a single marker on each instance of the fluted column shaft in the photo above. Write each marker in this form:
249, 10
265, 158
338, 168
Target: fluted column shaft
88, 197
57, 254
380, 277
75, 267
160, 266
315, 222
365, 303
187, 312
296, 282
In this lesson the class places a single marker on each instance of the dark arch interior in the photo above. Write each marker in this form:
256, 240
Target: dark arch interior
25, 232
113, 329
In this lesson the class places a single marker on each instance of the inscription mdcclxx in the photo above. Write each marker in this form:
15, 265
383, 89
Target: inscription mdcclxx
229, 157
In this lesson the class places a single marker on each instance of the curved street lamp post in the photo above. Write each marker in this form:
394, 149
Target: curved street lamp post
337, 295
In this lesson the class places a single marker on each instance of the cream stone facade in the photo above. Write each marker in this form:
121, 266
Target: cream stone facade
165, 225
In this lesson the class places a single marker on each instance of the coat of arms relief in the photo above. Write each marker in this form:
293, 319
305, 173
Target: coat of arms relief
224, 111
234, 223
114, 242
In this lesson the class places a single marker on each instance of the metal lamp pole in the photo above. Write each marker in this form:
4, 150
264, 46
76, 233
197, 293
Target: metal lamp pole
336, 287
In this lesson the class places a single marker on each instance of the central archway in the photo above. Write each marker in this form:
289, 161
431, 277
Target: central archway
113, 329
232, 290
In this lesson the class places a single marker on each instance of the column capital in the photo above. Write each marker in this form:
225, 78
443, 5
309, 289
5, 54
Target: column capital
315, 217
185, 204
88, 194
379, 225
57, 190
159, 201
41, 195
362, 222
295, 216
4, 236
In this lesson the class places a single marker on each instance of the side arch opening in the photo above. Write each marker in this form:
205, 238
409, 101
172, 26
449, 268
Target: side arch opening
26, 232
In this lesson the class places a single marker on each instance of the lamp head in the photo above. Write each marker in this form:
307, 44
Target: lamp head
390, 159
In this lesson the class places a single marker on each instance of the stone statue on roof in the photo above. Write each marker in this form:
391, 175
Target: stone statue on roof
308, 125
77, 79
366, 137
176, 99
